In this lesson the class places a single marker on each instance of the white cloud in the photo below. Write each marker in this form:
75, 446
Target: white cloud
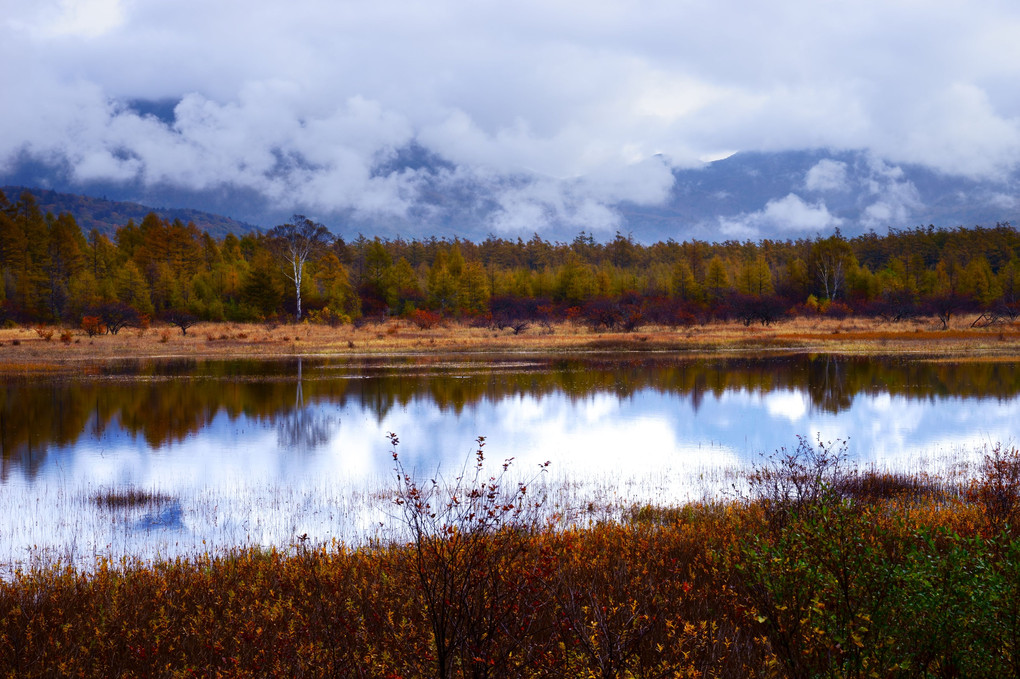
101, 164
792, 213
894, 200
304, 98
958, 130
1002, 200
791, 405
827, 175
581, 203
87, 19
786, 215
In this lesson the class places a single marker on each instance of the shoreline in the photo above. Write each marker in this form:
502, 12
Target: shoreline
48, 349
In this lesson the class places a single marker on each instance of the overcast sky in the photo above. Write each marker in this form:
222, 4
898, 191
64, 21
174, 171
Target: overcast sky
304, 100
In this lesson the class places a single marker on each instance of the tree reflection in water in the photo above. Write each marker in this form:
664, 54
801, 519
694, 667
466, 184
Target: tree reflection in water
304, 428
255, 453
162, 402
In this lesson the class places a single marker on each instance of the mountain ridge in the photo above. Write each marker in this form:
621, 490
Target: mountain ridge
107, 216
746, 196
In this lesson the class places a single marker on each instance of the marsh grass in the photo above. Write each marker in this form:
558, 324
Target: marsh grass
79, 524
111, 498
24, 345
870, 573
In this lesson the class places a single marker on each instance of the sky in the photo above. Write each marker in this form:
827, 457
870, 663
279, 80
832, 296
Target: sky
307, 102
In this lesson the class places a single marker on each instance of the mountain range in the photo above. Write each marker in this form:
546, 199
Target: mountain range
107, 216
748, 195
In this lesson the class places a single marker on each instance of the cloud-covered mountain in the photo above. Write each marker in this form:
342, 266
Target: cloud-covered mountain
745, 196
801, 193
459, 117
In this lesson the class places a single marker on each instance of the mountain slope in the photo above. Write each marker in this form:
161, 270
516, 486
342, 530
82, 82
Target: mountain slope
752, 195
108, 215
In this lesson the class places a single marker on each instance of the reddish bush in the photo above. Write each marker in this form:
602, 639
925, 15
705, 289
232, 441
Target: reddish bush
838, 310
92, 325
425, 319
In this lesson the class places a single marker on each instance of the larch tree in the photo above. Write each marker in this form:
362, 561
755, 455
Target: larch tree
441, 284
294, 244
717, 280
682, 282
755, 277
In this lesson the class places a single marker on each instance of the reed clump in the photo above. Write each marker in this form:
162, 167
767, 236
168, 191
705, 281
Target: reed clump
817, 568
111, 498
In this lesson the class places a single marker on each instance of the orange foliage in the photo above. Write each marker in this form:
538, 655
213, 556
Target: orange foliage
92, 325
425, 319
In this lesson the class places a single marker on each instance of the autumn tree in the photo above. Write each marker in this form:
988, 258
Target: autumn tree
132, 288
373, 287
755, 277
474, 290
794, 282
979, 283
682, 282
831, 260
1009, 283
180, 319
294, 243
116, 315
442, 284
24, 245
403, 289
261, 292
717, 281
377, 266
65, 259
334, 288
574, 283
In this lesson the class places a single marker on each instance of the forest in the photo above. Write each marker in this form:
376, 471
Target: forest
52, 272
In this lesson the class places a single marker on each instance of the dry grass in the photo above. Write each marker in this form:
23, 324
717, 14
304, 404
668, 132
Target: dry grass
24, 350
915, 572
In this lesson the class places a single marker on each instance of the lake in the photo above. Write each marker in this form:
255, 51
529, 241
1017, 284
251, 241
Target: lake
257, 453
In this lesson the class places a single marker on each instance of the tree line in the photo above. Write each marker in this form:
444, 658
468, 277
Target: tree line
53, 272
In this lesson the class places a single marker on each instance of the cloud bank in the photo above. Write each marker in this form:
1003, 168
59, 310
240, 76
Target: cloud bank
563, 109
789, 216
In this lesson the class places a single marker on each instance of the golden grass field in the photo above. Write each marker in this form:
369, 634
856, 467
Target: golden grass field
55, 348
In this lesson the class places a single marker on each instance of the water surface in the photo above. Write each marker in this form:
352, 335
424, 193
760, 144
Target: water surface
259, 452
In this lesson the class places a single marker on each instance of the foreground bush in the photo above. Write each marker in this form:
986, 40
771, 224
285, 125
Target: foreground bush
818, 571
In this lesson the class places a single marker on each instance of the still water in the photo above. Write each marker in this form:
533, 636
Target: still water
260, 452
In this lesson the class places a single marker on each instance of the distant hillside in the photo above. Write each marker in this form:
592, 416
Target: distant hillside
749, 195
109, 215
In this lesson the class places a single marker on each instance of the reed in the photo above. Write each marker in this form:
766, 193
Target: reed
23, 346
111, 498
816, 568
